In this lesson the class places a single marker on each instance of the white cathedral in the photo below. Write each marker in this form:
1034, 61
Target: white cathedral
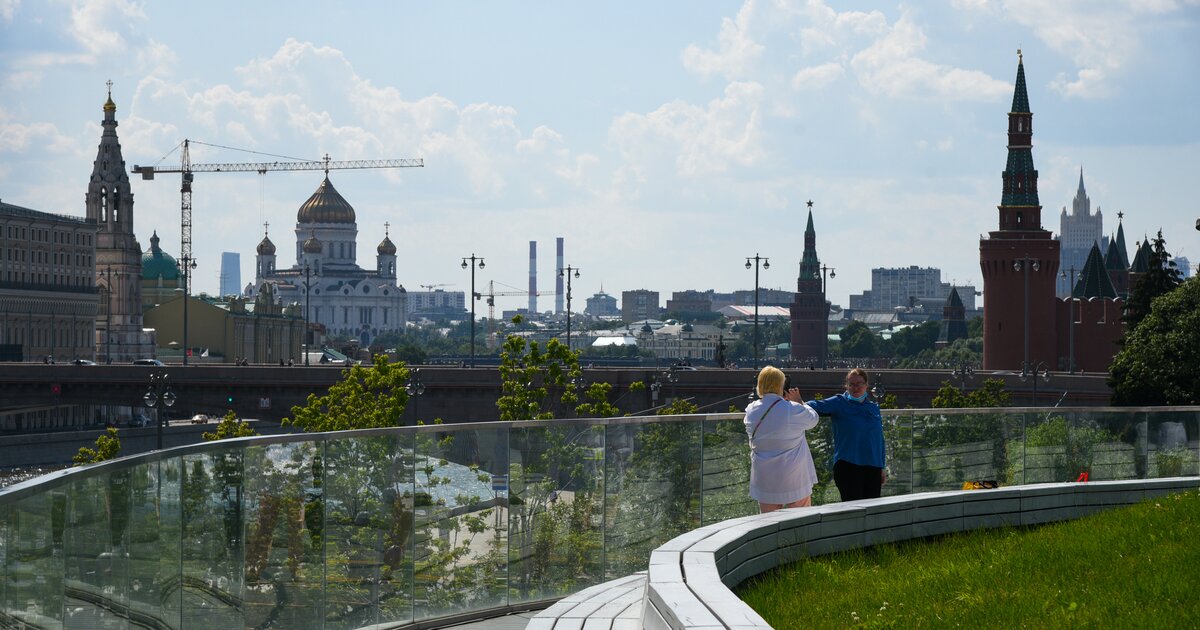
326, 281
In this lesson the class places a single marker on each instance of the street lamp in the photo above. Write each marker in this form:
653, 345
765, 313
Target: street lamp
189, 264
567, 272
1071, 321
1040, 370
414, 388
963, 370
1023, 264
474, 296
107, 273
832, 273
307, 290
759, 261
159, 391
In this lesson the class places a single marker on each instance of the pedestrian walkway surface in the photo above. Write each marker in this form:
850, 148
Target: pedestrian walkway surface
515, 621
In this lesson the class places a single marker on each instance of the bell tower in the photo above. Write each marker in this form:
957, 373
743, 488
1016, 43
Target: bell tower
1019, 260
109, 203
809, 309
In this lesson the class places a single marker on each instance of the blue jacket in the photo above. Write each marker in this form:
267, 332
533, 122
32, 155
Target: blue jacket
857, 429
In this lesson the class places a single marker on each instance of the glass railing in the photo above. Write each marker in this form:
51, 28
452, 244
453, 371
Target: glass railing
398, 526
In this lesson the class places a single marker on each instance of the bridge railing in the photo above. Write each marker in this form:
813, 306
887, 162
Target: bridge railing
422, 525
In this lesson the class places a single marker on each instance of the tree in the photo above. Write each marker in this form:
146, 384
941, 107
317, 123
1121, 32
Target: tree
528, 373
230, 426
107, 447
365, 398
990, 394
1161, 278
858, 340
1159, 363
909, 342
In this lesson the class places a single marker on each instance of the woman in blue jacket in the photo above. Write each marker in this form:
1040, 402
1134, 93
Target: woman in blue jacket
858, 452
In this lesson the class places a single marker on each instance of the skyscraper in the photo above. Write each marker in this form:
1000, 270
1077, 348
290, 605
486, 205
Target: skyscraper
1077, 232
231, 273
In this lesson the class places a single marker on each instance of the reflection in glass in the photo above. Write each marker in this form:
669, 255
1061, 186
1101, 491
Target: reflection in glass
212, 556
725, 479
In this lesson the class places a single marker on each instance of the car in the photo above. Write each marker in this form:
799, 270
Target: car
200, 419
148, 362
83, 362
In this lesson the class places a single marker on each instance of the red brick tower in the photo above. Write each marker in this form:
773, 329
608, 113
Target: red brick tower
809, 309
1019, 260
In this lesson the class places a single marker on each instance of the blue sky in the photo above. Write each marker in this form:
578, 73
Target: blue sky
666, 142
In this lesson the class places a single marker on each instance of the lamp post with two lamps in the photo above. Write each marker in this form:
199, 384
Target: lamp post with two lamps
567, 272
759, 261
1038, 370
159, 391
474, 296
1070, 321
415, 388
832, 273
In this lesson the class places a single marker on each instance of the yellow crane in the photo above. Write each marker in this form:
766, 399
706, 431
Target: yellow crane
187, 170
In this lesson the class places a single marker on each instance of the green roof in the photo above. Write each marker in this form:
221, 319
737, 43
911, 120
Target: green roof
1094, 281
1020, 102
158, 264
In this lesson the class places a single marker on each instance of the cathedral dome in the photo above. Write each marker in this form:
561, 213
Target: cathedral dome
266, 247
158, 264
387, 247
312, 245
325, 205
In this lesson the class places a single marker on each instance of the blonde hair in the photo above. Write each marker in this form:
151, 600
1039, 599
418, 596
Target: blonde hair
770, 381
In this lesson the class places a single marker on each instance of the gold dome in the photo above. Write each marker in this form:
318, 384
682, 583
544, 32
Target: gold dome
312, 245
266, 247
325, 205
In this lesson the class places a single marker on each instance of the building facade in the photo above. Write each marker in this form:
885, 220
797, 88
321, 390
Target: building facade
326, 281
907, 287
602, 305
1077, 232
231, 273
48, 297
638, 305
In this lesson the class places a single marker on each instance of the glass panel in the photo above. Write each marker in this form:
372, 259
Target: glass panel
96, 551
725, 475
897, 437
154, 541
212, 553
368, 526
461, 538
1171, 444
951, 449
283, 508
1106, 444
34, 560
652, 490
556, 485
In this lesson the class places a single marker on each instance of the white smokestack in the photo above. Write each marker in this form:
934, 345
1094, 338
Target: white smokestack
558, 281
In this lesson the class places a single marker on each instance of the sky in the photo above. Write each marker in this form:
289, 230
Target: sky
665, 141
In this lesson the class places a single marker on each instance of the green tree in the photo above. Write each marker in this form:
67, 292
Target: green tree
911, 341
858, 340
230, 426
991, 394
528, 373
1161, 278
365, 398
108, 445
1159, 363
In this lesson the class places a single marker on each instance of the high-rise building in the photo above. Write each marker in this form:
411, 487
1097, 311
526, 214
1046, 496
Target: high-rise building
602, 304
638, 305
1077, 232
231, 273
907, 286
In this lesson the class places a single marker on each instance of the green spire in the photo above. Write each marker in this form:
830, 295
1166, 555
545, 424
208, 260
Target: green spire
1094, 281
1020, 94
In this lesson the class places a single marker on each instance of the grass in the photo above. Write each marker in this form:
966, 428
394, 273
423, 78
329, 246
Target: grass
1128, 567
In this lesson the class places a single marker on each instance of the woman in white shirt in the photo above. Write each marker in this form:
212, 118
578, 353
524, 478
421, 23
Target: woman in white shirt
782, 474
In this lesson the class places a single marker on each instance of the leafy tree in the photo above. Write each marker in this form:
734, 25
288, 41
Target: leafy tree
975, 328
858, 340
911, 341
230, 426
1161, 278
528, 373
1159, 363
107, 447
365, 398
990, 394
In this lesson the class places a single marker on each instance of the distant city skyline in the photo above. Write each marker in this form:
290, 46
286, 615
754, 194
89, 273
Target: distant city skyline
664, 143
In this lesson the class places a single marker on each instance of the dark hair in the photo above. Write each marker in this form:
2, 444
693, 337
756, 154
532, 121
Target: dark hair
861, 372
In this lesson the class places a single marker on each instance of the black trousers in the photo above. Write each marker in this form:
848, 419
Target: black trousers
856, 482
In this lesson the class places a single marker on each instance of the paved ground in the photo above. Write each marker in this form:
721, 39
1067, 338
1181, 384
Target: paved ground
516, 621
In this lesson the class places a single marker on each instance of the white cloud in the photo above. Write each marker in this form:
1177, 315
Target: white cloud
8, 8
156, 58
736, 49
95, 24
17, 138
817, 77
891, 66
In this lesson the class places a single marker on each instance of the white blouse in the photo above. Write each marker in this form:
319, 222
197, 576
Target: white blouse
781, 466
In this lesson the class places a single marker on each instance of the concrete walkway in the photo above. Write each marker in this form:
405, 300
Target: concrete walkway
515, 621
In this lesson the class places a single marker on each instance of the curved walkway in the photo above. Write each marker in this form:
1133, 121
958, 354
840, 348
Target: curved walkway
689, 579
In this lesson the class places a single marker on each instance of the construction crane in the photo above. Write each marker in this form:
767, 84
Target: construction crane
491, 303
187, 169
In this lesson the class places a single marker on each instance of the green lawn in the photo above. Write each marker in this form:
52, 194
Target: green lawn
1124, 568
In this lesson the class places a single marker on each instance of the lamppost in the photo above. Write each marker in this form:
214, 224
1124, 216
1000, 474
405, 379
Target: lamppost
107, 273
832, 273
963, 370
1023, 264
159, 391
759, 261
567, 272
414, 388
307, 291
189, 264
474, 296
1071, 321
1040, 370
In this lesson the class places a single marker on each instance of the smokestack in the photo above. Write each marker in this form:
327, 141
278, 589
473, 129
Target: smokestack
558, 281
532, 277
